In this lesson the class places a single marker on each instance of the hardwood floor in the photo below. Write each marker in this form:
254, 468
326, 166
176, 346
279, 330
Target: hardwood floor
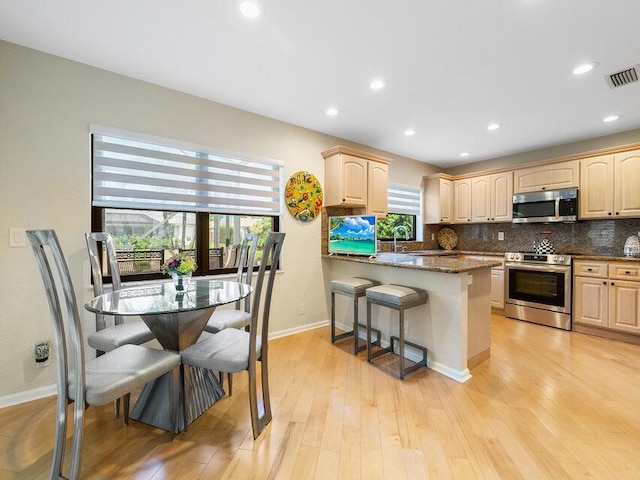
548, 404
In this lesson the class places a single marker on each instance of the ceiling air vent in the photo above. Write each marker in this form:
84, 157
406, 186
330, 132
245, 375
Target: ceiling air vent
624, 77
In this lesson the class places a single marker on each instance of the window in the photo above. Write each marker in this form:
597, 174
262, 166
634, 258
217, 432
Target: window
404, 206
159, 199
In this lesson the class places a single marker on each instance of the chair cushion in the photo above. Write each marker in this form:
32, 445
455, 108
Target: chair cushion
226, 351
118, 372
396, 295
109, 338
352, 286
226, 318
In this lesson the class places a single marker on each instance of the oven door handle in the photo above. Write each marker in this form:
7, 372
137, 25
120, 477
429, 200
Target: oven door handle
538, 268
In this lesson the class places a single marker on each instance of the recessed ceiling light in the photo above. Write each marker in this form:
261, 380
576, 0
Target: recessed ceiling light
464, 154
584, 68
409, 131
251, 8
376, 84
494, 126
611, 118
332, 112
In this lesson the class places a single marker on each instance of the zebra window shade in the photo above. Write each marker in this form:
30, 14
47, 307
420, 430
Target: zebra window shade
135, 174
404, 200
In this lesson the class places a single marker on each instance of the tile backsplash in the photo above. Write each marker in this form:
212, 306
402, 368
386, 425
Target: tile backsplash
592, 237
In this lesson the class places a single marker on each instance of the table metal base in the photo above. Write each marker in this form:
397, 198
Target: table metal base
153, 406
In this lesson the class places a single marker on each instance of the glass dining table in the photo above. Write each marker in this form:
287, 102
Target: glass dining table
177, 320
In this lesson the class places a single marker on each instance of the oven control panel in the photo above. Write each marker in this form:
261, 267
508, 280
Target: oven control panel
538, 258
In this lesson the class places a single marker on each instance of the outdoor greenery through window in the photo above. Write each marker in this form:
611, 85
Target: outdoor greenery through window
385, 227
159, 197
404, 204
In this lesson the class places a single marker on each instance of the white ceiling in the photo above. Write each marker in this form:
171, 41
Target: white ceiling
451, 67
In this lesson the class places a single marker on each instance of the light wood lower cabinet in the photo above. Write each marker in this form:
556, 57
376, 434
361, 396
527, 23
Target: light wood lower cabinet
607, 295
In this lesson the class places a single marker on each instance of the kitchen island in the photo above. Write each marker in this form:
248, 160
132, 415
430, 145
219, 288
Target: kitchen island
454, 325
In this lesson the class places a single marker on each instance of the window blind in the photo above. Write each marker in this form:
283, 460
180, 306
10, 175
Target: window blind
404, 200
135, 174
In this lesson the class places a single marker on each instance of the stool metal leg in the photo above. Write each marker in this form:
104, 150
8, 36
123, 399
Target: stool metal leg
356, 337
335, 337
401, 335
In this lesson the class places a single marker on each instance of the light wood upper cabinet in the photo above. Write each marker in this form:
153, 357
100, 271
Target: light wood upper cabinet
462, 201
627, 184
377, 188
481, 198
609, 186
546, 177
438, 198
596, 187
492, 198
356, 179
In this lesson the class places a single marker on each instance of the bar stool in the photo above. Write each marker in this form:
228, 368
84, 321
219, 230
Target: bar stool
396, 297
353, 288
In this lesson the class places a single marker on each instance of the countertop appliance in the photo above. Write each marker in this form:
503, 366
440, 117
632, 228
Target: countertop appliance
546, 206
538, 288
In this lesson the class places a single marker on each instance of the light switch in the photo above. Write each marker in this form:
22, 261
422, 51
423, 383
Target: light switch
500, 235
16, 237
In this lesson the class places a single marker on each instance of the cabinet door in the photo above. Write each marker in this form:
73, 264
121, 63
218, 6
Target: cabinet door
590, 301
497, 288
624, 301
627, 179
501, 197
377, 190
596, 187
481, 199
546, 177
446, 201
354, 180
462, 201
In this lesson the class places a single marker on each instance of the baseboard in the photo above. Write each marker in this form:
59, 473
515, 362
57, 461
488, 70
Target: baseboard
479, 358
303, 328
27, 396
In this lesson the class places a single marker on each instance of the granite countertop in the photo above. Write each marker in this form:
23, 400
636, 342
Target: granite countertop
431, 263
606, 258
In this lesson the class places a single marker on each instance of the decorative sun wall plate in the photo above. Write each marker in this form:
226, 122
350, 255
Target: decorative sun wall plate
303, 196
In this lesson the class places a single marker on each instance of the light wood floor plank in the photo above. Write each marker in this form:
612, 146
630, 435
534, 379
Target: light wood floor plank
548, 404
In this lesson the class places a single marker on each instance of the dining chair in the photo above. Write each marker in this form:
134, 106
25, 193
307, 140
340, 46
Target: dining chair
233, 350
238, 317
100, 380
106, 338
232, 255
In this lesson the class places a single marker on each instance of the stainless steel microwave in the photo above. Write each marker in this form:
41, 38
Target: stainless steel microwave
546, 206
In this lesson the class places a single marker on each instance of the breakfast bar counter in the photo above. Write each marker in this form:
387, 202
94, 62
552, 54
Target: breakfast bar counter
454, 324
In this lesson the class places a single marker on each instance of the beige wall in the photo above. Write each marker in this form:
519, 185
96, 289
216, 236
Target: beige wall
46, 106
550, 153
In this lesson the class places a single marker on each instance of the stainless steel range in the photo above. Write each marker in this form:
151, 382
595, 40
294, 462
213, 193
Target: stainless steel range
538, 288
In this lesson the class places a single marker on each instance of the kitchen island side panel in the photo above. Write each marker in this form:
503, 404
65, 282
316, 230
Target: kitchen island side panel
454, 324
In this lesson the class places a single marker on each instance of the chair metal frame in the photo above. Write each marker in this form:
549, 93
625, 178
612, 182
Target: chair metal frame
260, 418
66, 336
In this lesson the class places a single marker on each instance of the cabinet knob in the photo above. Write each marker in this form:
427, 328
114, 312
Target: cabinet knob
612, 284
609, 213
627, 272
617, 213
493, 219
590, 269
544, 188
604, 283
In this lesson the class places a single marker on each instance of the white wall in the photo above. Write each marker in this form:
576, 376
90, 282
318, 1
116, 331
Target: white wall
46, 106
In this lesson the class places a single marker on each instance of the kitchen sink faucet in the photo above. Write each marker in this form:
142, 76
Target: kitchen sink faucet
395, 236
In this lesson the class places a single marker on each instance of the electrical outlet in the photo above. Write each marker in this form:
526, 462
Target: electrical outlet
433, 236
301, 310
500, 235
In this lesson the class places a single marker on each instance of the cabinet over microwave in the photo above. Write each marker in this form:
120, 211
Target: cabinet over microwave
546, 206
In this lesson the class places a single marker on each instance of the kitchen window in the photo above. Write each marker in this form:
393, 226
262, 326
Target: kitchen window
160, 197
404, 206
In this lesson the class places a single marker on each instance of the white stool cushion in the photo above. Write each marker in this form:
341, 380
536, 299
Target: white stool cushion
396, 295
352, 286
